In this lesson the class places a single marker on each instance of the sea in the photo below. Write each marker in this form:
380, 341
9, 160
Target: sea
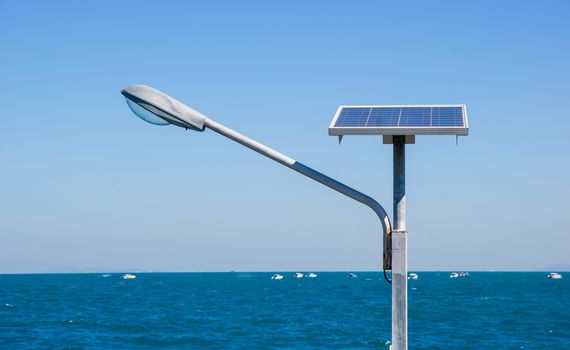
239, 310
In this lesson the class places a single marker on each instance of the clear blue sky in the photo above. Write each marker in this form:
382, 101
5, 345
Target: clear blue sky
85, 185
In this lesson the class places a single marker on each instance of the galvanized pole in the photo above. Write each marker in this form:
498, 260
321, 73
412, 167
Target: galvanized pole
399, 247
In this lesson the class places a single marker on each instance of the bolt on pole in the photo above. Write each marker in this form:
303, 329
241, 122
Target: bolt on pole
399, 248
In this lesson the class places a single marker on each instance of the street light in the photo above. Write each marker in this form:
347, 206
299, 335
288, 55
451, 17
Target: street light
157, 108
399, 125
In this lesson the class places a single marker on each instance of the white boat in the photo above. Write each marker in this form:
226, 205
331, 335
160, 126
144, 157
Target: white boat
413, 276
454, 275
554, 275
352, 275
311, 275
128, 276
277, 277
298, 275
463, 274
106, 275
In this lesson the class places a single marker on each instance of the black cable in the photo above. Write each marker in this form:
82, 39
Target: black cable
386, 277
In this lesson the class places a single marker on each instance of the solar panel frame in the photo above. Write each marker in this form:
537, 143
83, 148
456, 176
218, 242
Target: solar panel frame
358, 129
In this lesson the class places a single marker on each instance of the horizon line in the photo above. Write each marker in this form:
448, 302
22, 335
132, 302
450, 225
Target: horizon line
257, 271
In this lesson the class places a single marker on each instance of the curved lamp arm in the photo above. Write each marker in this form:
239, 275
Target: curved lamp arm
315, 175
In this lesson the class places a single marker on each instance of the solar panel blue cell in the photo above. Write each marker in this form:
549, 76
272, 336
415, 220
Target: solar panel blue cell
447, 116
415, 116
356, 116
387, 116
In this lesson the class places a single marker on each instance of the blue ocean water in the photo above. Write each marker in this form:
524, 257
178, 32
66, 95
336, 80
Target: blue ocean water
250, 311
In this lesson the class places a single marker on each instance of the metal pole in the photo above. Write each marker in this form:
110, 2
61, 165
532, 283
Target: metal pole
399, 247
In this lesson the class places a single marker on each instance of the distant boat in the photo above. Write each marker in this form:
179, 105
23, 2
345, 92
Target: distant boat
106, 275
454, 275
277, 277
463, 274
298, 275
311, 275
352, 275
413, 276
128, 276
554, 275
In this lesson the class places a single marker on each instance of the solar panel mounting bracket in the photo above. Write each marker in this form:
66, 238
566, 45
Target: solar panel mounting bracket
389, 139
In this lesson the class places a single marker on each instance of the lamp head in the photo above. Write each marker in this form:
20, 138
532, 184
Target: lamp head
157, 108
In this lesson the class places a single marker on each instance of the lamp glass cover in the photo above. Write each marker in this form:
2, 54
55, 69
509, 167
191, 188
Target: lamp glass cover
145, 115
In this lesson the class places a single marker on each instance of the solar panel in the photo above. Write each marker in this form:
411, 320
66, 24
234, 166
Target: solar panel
400, 120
